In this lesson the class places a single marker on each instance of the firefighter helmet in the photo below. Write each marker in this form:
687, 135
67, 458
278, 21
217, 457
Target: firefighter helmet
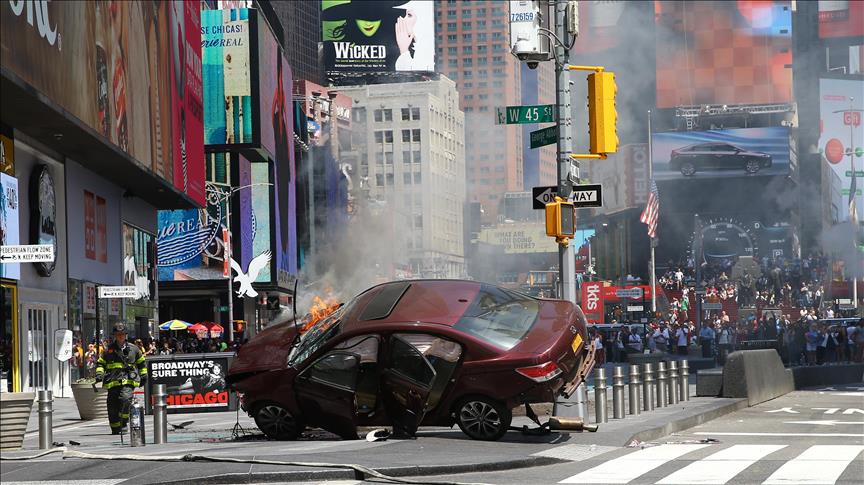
119, 327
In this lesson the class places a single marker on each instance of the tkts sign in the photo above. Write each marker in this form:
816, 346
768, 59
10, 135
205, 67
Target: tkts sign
592, 302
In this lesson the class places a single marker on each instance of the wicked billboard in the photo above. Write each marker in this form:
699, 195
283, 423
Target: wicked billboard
366, 37
130, 71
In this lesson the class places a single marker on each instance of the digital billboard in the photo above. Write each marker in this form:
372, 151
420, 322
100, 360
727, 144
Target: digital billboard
721, 153
227, 79
716, 52
840, 112
841, 18
372, 36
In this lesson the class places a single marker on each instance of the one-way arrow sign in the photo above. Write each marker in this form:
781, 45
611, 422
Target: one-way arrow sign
588, 195
543, 195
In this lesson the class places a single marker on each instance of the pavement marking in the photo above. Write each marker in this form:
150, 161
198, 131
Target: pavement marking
575, 452
819, 464
819, 435
631, 466
107, 481
828, 422
720, 467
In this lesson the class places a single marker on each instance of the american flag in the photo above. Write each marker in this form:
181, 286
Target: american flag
651, 214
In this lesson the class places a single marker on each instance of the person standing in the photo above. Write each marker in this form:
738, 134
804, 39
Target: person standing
121, 368
706, 338
683, 334
661, 337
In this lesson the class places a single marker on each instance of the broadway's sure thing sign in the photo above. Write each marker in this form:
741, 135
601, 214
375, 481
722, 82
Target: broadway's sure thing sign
194, 382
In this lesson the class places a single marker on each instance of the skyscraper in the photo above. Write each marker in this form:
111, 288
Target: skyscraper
301, 22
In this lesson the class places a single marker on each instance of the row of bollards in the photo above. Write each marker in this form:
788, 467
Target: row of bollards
645, 392
136, 423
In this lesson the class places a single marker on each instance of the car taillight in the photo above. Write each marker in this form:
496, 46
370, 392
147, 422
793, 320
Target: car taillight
540, 373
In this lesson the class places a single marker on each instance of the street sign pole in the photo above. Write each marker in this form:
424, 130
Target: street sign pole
566, 254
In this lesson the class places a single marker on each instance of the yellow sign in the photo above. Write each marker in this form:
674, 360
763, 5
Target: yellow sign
520, 238
577, 341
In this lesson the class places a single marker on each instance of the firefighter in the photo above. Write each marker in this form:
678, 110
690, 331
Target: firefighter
121, 368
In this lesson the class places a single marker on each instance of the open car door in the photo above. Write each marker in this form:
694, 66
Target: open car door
325, 393
406, 385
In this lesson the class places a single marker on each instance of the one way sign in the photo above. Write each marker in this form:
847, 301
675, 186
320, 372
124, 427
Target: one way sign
543, 195
588, 195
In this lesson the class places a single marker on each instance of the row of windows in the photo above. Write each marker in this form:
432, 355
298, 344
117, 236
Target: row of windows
382, 115
451, 13
481, 73
386, 136
407, 177
481, 61
481, 36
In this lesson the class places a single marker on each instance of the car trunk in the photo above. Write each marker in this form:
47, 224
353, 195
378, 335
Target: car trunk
267, 351
551, 337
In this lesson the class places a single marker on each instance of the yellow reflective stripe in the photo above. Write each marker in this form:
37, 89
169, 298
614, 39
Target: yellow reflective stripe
140, 360
123, 382
115, 365
100, 360
100, 369
143, 371
115, 425
124, 415
111, 384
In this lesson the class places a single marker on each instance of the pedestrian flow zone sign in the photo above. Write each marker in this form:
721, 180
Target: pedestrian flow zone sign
117, 292
28, 253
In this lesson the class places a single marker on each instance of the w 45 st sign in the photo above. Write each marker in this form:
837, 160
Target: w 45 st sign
516, 115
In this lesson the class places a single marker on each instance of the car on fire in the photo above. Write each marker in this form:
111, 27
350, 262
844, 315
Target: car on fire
717, 156
414, 353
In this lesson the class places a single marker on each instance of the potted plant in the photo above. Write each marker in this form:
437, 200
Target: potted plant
14, 414
90, 398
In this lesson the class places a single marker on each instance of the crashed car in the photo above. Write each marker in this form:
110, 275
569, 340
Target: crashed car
414, 353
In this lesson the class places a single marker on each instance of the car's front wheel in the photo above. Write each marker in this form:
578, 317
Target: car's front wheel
482, 418
688, 168
277, 423
752, 166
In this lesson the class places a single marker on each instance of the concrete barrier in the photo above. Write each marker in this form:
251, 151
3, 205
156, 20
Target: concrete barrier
709, 382
757, 375
827, 375
652, 358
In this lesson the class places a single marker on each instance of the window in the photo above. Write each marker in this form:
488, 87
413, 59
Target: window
379, 117
338, 369
405, 114
388, 135
481, 49
481, 37
499, 317
451, 26
483, 96
379, 158
388, 157
499, 181
468, 62
418, 221
451, 14
466, 37
406, 136
379, 137
415, 114
406, 178
417, 179
406, 156
451, 38
497, 36
497, 48
467, 49
498, 73
497, 23
389, 179
415, 134
416, 156
481, 24
468, 84
481, 12
409, 362
497, 60
466, 12
452, 62
466, 25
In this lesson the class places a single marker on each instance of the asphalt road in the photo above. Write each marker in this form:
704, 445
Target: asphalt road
806, 437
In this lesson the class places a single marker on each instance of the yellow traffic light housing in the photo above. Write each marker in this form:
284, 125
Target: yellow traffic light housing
561, 220
602, 116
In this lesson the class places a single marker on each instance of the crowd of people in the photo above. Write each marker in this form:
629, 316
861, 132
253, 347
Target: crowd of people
84, 358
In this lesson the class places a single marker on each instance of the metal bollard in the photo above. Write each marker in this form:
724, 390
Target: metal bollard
46, 410
648, 388
684, 381
160, 418
618, 392
672, 382
600, 415
574, 406
635, 388
662, 398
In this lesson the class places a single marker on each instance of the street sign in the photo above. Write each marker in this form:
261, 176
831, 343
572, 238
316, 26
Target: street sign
27, 253
117, 292
851, 118
546, 136
543, 195
846, 191
629, 293
712, 306
517, 115
588, 195
635, 308
858, 173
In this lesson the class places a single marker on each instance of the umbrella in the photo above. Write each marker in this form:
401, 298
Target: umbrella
199, 329
215, 330
174, 325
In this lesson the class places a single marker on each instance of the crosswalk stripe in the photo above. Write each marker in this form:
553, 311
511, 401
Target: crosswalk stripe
720, 467
629, 467
819, 464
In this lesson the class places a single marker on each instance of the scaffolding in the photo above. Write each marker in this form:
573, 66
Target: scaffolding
691, 114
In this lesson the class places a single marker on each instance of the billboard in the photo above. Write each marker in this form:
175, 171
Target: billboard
110, 65
194, 382
840, 113
625, 176
226, 76
721, 153
724, 52
372, 36
520, 238
841, 18
10, 228
592, 301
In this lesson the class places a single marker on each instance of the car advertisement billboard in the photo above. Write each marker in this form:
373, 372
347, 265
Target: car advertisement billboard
373, 36
721, 153
841, 18
725, 52
840, 113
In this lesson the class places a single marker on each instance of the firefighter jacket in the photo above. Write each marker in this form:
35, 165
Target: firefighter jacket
121, 366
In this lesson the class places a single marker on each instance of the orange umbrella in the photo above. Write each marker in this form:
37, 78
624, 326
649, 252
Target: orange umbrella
199, 329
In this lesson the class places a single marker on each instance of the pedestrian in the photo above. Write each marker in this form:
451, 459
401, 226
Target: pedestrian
661, 337
859, 341
90, 360
812, 339
822, 345
121, 368
706, 339
600, 352
683, 334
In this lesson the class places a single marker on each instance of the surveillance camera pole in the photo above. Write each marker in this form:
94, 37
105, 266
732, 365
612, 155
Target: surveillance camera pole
566, 253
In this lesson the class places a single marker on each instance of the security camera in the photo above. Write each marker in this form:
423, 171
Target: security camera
532, 64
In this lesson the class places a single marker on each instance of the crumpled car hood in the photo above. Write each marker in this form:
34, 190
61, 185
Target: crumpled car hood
266, 351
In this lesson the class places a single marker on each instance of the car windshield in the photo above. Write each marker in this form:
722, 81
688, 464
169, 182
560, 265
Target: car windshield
318, 335
499, 316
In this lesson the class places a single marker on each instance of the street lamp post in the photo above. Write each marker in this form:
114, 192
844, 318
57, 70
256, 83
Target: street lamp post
227, 252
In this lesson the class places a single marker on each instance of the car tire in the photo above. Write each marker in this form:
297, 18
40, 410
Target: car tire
688, 168
276, 422
752, 166
482, 418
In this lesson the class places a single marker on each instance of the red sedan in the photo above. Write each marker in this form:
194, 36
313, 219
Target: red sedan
412, 353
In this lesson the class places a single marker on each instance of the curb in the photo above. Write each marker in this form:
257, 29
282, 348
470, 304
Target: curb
686, 423
348, 474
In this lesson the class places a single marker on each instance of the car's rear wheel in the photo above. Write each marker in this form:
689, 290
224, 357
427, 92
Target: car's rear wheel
752, 166
688, 168
482, 418
277, 423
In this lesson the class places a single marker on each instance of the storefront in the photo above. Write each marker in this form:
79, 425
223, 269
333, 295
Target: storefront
10, 375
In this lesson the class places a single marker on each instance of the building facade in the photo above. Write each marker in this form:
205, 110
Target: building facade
301, 22
409, 147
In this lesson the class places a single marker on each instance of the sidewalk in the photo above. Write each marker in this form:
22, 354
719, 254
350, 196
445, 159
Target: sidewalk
435, 451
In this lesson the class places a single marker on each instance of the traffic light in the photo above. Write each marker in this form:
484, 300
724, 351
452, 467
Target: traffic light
560, 219
602, 116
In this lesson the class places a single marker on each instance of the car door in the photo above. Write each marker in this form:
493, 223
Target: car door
325, 393
726, 157
406, 384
